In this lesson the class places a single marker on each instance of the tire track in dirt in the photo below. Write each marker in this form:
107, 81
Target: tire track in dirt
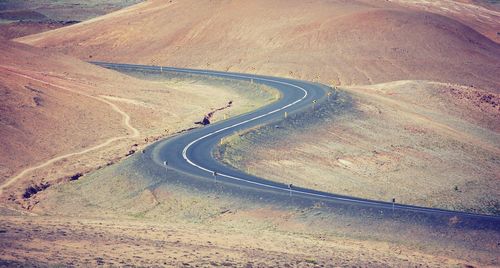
135, 133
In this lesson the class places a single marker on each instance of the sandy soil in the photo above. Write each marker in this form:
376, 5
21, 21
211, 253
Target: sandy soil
335, 42
85, 242
18, 29
21, 18
61, 10
483, 16
423, 143
394, 142
117, 216
52, 117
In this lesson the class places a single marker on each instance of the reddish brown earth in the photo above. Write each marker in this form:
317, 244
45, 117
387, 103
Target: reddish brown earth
61, 116
481, 15
18, 29
423, 143
54, 105
338, 42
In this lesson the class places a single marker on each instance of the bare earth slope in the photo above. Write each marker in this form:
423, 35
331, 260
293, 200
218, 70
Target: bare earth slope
39, 120
394, 141
20, 18
423, 143
481, 15
61, 116
333, 41
338, 42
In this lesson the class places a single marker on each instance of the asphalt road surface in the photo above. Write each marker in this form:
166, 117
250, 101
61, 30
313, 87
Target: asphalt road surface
191, 152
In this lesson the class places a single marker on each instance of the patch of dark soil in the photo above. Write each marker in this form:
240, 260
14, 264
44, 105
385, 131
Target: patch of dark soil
204, 122
39, 91
76, 176
131, 152
207, 117
23, 28
38, 101
21, 14
33, 189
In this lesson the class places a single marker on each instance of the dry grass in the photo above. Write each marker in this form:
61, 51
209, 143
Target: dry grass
409, 140
120, 216
69, 106
29, 241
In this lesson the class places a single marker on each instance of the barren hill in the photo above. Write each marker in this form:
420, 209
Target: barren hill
346, 42
38, 119
69, 116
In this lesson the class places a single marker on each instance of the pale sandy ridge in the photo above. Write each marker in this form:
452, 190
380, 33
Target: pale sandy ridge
126, 123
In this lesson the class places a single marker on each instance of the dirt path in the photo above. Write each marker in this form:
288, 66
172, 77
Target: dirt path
125, 120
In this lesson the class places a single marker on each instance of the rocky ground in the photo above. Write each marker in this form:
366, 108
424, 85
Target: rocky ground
423, 143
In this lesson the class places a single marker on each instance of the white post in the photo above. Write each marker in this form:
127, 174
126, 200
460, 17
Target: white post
165, 163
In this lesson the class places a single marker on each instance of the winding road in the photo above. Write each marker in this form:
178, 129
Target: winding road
190, 153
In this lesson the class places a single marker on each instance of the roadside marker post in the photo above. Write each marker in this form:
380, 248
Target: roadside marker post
286, 115
290, 189
329, 94
215, 176
165, 163
161, 69
314, 104
393, 204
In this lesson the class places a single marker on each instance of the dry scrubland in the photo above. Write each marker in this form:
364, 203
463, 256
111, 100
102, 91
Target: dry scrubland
427, 144
341, 42
430, 139
112, 242
423, 143
119, 215
447, 158
20, 18
54, 105
61, 10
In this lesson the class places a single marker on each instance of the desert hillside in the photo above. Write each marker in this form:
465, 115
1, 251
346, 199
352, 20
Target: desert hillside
481, 15
331, 41
46, 108
61, 10
61, 116
416, 118
20, 18
423, 143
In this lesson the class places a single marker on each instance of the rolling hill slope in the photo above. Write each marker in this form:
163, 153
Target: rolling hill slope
341, 42
62, 116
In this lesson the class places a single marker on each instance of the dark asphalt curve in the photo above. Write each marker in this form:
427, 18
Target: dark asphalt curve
191, 152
